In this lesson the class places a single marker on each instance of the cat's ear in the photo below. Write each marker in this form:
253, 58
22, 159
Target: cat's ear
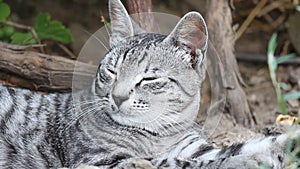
120, 22
190, 32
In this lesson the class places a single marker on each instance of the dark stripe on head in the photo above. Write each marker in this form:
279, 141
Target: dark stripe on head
124, 56
142, 58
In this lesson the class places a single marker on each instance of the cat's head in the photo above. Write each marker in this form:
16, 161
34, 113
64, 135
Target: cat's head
152, 80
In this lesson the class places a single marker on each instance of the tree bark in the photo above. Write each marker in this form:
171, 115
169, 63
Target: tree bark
222, 36
50, 73
142, 14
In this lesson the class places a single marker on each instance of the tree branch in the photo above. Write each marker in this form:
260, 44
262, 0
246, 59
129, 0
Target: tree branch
51, 73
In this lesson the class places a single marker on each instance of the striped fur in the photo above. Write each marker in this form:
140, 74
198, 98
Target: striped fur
39, 131
142, 103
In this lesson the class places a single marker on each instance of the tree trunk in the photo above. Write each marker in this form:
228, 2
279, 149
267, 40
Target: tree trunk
222, 36
141, 10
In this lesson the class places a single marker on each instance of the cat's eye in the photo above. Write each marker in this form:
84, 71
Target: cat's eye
153, 85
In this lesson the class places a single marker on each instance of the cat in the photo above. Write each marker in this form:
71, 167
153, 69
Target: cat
142, 103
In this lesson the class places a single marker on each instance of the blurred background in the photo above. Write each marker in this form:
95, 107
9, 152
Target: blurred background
273, 16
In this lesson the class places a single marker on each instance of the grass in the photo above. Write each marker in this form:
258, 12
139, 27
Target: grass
292, 160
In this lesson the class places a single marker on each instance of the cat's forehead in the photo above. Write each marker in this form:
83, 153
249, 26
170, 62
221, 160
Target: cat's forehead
156, 58
148, 55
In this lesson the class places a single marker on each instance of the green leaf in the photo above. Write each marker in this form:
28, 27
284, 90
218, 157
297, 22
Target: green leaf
292, 95
272, 62
22, 38
284, 86
272, 44
282, 59
54, 30
4, 11
1, 33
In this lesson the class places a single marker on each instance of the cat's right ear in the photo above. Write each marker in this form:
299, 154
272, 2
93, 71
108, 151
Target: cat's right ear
120, 22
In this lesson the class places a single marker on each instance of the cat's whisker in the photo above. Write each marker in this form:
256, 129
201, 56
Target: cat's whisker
83, 111
90, 111
176, 125
178, 113
167, 130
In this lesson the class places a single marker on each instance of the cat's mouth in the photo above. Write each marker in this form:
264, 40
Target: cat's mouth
125, 122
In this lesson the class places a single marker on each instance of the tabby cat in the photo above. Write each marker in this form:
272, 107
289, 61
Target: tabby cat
142, 103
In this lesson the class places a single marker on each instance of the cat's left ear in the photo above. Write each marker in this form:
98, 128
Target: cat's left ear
120, 22
190, 32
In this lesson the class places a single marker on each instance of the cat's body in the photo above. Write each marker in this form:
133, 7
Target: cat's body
143, 103
52, 139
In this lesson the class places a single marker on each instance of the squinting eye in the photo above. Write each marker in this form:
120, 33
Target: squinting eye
154, 86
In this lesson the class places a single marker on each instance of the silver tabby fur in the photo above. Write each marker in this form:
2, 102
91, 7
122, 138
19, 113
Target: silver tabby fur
143, 103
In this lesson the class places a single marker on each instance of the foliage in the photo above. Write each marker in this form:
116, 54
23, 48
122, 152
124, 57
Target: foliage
4, 11
44, 29
22, 38
54, 30
292, 161
273, 64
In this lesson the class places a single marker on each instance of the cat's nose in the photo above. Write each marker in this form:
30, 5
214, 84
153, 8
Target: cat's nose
119, 99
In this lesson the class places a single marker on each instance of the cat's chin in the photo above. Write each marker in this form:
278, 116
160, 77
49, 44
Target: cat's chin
133, 122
